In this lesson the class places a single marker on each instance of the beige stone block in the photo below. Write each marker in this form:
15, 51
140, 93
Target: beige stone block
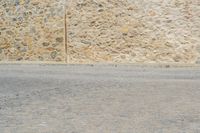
132, 31
27, 25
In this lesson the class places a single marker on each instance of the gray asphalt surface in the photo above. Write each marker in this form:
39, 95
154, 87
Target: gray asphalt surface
99, 99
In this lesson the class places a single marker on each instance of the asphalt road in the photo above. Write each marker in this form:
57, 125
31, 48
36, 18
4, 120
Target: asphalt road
99, 99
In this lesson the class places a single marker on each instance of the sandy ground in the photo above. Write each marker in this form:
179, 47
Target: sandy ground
99, 99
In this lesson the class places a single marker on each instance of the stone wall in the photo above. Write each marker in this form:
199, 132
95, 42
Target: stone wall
134, 31
104, 31
32, 30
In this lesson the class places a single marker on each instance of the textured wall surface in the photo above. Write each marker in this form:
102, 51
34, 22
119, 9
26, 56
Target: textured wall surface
105, 31
32, 30
134, 31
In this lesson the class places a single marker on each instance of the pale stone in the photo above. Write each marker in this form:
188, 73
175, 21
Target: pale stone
129, 32
30, 27
106, 31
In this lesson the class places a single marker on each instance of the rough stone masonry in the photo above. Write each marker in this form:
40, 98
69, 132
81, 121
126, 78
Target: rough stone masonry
32, 30
100, 31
